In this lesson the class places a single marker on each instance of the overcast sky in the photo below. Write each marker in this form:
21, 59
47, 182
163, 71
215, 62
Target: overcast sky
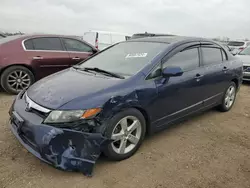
207, 18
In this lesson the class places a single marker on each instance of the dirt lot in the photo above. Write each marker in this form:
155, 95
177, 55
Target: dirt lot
210, 150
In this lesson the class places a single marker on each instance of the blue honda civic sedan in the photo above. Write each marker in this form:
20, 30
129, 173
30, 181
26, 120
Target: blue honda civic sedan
109, 102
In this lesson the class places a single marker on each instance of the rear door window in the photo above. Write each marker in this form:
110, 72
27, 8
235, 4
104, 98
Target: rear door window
76, 46
48, 43
187, 60
211, 55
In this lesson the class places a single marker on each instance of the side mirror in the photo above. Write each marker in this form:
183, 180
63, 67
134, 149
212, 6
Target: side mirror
172, 71
94, 50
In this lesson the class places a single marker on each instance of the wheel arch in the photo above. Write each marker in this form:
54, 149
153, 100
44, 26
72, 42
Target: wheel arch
146, 117
23, 65
236, 81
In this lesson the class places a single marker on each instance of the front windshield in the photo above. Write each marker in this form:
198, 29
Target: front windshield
127, 58
246, 51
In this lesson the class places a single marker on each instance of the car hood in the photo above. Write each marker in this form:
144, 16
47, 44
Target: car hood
60, 88
244, 58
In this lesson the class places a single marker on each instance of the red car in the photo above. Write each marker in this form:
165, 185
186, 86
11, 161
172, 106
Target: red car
27, 58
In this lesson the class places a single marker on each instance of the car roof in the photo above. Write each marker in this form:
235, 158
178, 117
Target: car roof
108, 32
46, 35
27, 36
170, 39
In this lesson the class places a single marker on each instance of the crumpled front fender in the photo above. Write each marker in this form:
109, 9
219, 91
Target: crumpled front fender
72, 150
63, 148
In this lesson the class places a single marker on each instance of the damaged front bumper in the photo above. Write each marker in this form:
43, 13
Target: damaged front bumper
65, 149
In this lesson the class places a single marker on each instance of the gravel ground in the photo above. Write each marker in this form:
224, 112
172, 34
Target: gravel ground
209, 150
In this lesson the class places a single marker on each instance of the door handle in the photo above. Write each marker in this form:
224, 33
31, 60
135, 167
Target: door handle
225, 68
76, 58
37, 57
198, 77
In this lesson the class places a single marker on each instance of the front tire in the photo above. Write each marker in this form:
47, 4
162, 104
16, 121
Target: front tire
16, 78
228, 98
127, 129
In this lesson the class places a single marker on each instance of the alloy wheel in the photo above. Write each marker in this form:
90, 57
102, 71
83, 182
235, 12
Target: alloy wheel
230, 96
126, 135
18, 80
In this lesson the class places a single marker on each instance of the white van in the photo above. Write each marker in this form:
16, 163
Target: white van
104, 39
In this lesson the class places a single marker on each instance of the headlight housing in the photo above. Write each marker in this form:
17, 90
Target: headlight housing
67, 116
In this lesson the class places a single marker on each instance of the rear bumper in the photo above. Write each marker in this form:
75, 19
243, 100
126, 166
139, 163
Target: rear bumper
63, 148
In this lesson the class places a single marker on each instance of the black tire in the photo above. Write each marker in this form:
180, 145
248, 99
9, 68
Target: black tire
108, 150
222, 107
4, 78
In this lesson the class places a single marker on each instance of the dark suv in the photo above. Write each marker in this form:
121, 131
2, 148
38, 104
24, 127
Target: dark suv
27, 58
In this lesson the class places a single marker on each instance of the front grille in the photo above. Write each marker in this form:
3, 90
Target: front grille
246, 68
35, 108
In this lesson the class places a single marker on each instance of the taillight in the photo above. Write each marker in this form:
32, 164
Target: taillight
242, 48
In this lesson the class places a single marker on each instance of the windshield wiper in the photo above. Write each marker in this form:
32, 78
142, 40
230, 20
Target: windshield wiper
77, 67
81, 68
95, 69
88, 69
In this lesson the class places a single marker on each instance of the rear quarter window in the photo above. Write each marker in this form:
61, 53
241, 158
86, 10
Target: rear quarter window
28, 44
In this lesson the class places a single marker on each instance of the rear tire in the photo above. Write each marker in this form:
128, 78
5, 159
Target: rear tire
16, 78
128, 129
228, 98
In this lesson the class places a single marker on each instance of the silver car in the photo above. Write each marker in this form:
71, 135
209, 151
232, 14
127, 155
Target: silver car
238, 46
244, 55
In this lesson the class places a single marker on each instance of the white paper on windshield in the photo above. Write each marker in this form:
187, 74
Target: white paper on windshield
136, 55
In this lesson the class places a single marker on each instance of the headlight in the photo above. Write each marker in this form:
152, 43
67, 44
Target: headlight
65, 116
